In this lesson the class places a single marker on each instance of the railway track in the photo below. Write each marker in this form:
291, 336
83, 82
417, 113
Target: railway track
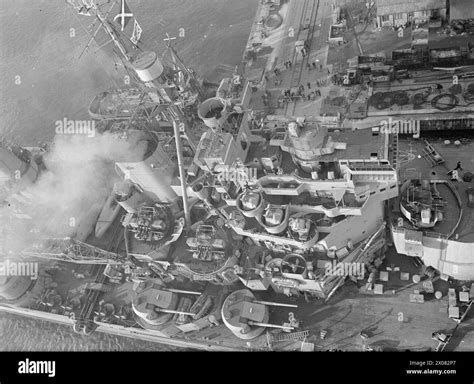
93, 294
308, 16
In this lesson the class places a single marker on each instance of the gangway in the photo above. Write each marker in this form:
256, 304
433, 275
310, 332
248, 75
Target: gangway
294, 336
431, 155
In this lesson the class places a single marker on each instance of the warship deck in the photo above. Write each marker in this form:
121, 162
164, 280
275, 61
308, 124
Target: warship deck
390, 320
414, 164
388, 317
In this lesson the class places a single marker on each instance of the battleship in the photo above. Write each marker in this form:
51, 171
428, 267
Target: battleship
318, 197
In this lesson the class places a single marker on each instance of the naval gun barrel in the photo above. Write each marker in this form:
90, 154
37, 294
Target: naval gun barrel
267, 325
162, 310
182, 174
275, 304
182, 291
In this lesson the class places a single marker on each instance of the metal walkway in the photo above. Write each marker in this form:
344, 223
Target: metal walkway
295, 336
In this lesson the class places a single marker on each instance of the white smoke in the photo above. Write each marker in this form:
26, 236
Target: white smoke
68, 197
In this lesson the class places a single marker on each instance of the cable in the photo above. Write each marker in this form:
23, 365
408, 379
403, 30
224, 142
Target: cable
454, 101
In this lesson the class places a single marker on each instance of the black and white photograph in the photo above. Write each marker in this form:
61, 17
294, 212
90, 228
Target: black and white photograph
237, 176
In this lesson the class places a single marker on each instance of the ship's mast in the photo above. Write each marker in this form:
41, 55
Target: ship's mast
179, 64
165, 84
182, 175
105, 23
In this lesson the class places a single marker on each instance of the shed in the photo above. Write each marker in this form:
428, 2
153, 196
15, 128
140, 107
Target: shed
390, 7
461, 10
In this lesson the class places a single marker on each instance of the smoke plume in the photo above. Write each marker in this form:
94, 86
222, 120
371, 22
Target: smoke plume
67, 198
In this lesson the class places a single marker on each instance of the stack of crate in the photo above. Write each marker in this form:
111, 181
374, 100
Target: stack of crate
453, 309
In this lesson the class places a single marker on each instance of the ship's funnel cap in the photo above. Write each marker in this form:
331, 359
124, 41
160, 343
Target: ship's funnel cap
212, 112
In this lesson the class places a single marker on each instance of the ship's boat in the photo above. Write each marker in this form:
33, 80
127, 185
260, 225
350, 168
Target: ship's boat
183, 306
201, 306
122, 104
107, 216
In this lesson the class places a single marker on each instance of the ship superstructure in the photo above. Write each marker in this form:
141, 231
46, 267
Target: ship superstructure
432, 218
291, 185
295, 156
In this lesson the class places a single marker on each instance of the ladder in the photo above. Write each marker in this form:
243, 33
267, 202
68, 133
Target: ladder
294, 336
394, 150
